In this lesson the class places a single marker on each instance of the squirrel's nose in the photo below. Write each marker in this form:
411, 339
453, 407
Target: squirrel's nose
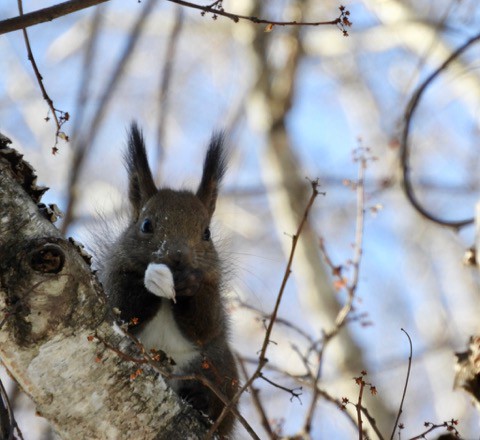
181, 254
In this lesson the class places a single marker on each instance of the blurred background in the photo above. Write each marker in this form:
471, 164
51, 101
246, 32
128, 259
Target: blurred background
296, 102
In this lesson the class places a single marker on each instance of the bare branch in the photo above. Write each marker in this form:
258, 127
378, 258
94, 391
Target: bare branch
358, 246
59, 116
281, 321
295, 392
358, 406
216, 9
372, 421
56, 11
400, 409
256, 400
46, 14
405, 147
343, 314
450, 426
288, 270
262, 360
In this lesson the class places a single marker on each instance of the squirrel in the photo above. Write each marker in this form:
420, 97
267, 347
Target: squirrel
164, 275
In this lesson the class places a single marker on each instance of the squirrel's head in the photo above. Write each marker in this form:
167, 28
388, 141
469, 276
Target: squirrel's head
172, 226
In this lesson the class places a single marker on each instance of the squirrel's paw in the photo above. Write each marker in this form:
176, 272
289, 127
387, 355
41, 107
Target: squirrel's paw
159, 281
187, 282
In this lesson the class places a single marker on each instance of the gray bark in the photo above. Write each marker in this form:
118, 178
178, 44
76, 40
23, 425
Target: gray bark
50, 304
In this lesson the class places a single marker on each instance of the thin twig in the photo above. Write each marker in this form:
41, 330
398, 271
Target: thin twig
68, 7
373, 422
316, 392
400, 409
358, 247
359, 409
62, 116
120, 353
450, 426
405, 147
304, 359
295, 238
300, 378
321, 392
262, 360
256, 401
215, 9
343, 314
295, 392
281, 321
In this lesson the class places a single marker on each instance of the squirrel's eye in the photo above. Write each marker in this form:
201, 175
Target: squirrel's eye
206, 234
147, 226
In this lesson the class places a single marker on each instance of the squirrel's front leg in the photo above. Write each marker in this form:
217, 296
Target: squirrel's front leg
188, 281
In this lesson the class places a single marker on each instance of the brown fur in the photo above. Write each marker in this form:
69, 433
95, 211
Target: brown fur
176, 234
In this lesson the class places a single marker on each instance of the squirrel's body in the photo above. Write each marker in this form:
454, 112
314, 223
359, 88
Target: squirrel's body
164, 275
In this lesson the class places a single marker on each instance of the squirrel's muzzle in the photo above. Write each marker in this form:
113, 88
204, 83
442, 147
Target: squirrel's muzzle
176, 254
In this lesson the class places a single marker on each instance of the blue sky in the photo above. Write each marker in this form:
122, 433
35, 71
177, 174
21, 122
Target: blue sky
345, 89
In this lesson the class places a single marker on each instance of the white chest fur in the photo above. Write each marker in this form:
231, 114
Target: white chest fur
162, 333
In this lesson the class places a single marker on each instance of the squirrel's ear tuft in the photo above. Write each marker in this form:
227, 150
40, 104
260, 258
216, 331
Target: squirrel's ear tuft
214, 169
141, 184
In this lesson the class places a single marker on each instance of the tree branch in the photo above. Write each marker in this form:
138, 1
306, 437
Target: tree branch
400, 409
405, 142
215, 8
62, 116
262, 359
46, 14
